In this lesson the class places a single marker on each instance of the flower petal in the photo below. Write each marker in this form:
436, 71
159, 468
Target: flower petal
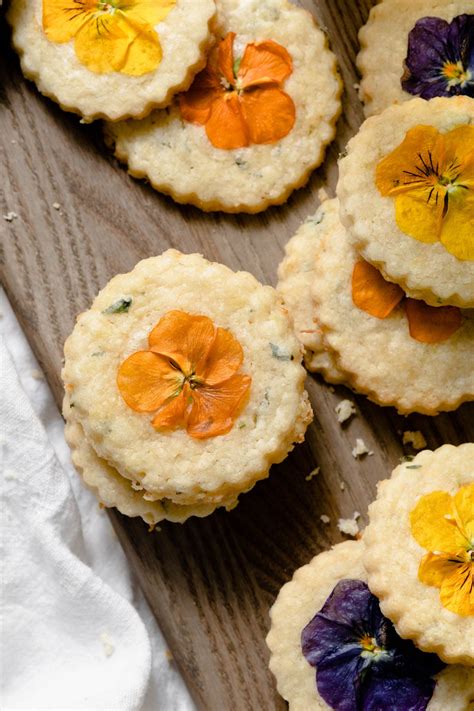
432, 324
226, 127
434, 568
372, 293
459, 153
431, 525
62, 19
150, 12
144, 51
223, 360
457, 231
173, 413
397, 171
146, 381
264, 62
387, 689
195, 104
269, 113
464, 509
419, 215
215, 408
225, 57
184, 338
457, 590
427, 51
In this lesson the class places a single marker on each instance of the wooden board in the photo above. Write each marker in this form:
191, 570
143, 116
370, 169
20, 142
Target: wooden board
210, 582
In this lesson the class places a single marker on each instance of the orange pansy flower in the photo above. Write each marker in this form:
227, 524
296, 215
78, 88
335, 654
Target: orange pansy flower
188, 376
444, 525
241, 101
378, 297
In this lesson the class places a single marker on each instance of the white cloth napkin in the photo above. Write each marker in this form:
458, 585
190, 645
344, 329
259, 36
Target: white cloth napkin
76, 630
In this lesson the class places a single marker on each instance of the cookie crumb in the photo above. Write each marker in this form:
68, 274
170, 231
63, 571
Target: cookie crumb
360, 449
37, 374
136, 486
416, 439
324, 518
344, 410
56, 205
323, 194
342, 486
9, 474
10, 216
169, 656
107, 643
349, 526
313, 473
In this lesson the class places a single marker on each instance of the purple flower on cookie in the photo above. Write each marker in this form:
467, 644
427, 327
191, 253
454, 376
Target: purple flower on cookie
440, 59
361, 662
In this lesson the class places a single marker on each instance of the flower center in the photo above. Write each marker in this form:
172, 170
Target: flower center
369, 645
107, 7
455, 73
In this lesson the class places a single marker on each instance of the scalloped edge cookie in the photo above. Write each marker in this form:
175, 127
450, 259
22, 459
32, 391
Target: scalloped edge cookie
104, 96
178, 159
392, 555
424, 271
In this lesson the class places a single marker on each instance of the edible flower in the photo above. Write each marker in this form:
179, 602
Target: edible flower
114, 36
440, 59
361, 663
379, 298
444, 526
431, 177
188, 376
240, 101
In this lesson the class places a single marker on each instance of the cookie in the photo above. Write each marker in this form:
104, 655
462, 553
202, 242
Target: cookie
253, 125
406, 191
186, 377
293, 623
382, 355
114, 491
419, 551
111, 60
295, 278
430, 52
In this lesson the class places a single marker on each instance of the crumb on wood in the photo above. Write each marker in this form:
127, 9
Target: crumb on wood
331, 389
344, 410
416, 439
169, 656
360, 449
349, 526
56, 206
324, 518
313, 473
342, 486
10, 216
107, 644
37, 374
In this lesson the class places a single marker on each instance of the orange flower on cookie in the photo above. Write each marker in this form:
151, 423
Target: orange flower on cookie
114, 36
376, 296
240, 101
431, 177
444, 526
188, 376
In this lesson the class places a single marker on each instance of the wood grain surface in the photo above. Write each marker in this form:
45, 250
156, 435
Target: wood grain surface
210, 582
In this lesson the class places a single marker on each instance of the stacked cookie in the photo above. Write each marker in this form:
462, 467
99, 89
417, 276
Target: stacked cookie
380, 281
387, 621
184, 384
238, 136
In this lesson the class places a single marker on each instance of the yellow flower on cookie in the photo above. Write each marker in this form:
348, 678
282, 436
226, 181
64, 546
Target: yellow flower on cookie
118, 35
444, 525
431, 177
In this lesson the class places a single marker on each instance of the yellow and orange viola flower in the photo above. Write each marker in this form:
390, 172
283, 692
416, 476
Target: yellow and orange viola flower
114, 36
188, 377
378, 297
444, 526
240, 101
431, 177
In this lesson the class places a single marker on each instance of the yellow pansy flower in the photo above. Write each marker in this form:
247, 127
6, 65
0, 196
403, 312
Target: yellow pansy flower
431, 177
444, 525
109, 36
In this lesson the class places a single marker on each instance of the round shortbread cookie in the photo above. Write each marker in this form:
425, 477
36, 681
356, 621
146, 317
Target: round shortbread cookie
173, 464
298, 602
184, 35
178, 158
393, 555
114, 491
389, 25
378, 356
295, 278
424, 271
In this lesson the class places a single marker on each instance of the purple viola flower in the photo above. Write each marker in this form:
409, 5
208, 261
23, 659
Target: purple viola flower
440, 60
361, 662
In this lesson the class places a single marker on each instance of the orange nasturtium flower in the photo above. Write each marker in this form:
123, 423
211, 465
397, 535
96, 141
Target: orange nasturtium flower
431, 177
444, 525
114, 36
241, 101
376, 296
188, 376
